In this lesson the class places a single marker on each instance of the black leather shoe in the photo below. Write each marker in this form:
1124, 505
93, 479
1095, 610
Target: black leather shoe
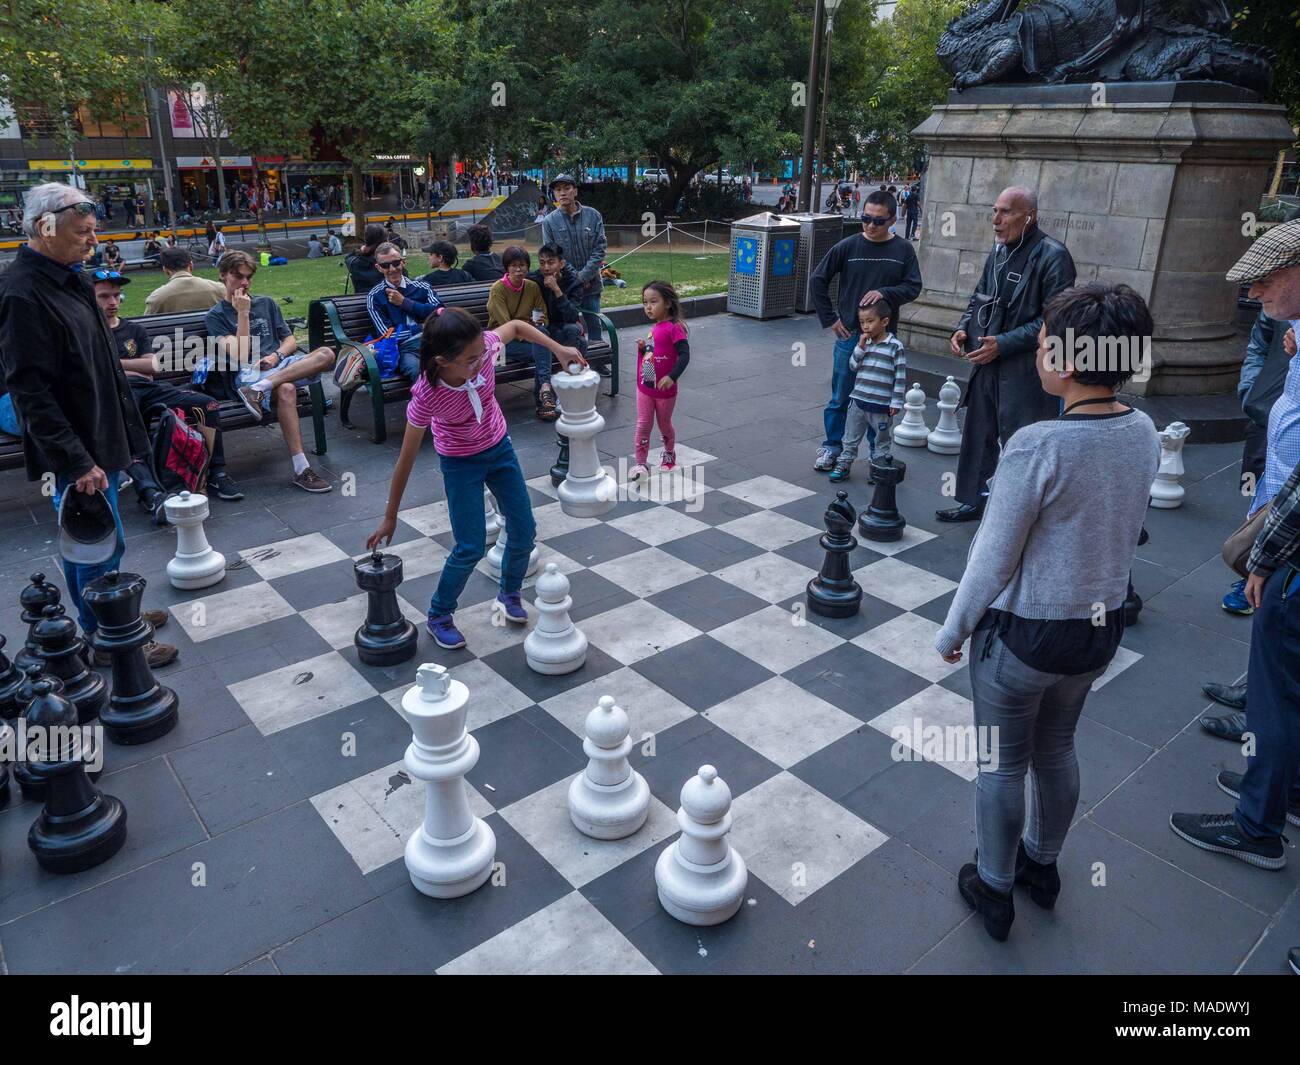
1043, 881
996, 907
1230, 695
1132, 607
1293, 959
961, 512
1231, 727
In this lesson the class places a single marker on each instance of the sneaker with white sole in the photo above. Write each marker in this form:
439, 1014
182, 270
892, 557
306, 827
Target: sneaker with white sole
1219, 833
1230, 784
825, 461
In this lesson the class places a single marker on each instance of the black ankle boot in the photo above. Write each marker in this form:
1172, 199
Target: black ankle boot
1043, 881
996, 907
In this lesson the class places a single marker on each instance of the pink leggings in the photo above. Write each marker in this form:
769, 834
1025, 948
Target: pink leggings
649, 409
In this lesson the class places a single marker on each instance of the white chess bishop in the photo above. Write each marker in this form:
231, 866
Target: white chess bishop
556, 645
196, 564
452, 852
701, 879
912, 431
609, 799
587, 491
945, 438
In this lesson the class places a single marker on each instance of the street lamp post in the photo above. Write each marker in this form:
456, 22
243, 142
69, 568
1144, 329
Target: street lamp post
810, 108
831, 7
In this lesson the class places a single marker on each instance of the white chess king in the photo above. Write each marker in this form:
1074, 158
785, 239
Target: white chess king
587, 491
609, 799
701, 880
196, 564
453, 851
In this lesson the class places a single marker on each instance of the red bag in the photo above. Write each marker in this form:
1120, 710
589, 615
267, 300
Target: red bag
180, 454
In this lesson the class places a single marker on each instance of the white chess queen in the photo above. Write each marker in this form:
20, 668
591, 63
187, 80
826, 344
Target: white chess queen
454, 397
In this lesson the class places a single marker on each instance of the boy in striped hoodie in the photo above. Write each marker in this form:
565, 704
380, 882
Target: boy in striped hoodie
879, 388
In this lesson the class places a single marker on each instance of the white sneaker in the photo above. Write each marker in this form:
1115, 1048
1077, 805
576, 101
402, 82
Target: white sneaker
825, 460
640, 472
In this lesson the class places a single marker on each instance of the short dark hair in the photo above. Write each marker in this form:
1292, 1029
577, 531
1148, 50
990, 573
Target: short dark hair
883, 308
173, 258
1099, 310
445, 250
516, 254
883, 199
550, 251
480, 238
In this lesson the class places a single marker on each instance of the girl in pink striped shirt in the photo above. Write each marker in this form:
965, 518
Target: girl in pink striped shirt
455, 397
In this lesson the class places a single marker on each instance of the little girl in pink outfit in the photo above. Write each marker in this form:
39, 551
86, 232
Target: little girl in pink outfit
660, 360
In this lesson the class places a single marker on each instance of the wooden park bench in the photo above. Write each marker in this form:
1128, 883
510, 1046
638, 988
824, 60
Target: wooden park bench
234, 415
336, 319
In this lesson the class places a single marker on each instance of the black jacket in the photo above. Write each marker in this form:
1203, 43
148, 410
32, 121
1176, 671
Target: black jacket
1015, 320
562, 309
60, 364
363, 271
485, 266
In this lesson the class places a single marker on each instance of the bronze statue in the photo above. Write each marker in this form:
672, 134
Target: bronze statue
1057, 41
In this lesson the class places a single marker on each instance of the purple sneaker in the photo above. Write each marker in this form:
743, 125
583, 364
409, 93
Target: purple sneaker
444, 632
513, 608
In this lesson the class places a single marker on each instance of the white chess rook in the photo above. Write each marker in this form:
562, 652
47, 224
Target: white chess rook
945, 439
609, 799
701, 879
452, 853
1167, 490
496, 556
196, 564
587, 491
555, 645
491, 519
912, 431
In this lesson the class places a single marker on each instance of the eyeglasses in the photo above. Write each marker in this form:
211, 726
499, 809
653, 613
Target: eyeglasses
871, 220
80, 207
392, 264
107, 275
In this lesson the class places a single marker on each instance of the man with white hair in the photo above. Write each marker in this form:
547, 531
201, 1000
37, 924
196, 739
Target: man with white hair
999, 335
61, 369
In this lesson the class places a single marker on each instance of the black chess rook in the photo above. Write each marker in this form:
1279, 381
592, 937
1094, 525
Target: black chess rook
561, 468
139, 709
79, 827
833, 593
386, 638
881, 521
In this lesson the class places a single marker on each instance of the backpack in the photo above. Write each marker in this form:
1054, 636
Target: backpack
180, 454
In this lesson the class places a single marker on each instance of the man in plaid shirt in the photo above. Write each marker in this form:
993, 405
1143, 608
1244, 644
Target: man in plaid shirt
1268, 793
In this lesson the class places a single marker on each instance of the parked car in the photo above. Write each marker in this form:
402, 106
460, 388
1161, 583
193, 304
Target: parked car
711, 177
655, 177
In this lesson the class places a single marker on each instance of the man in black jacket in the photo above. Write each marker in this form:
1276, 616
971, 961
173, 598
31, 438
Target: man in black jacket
562, 291
60, 366
873, 266
999, 334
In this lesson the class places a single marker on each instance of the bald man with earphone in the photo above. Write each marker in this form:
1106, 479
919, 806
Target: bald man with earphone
60, 365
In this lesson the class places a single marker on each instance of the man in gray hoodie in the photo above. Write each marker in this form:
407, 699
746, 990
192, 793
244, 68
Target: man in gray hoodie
579, 232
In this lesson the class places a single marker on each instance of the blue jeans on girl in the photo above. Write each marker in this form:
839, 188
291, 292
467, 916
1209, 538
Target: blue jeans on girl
77, 575
464, 477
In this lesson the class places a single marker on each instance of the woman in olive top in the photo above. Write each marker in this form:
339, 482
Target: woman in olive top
515, 298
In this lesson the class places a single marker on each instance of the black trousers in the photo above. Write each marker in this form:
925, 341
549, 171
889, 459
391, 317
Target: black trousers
980, 443
154, 396
1253, 451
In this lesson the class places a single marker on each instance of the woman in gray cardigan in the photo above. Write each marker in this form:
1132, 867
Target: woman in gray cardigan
1042, 596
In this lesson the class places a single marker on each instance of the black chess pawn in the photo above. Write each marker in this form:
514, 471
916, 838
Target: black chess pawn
34, 599
11, 679
386, 638
561, 468
833, 593
80, 826
25, 773
881, 521
140, 709
63, 654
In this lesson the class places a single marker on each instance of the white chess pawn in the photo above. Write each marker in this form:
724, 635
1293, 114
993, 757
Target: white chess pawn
945, 439
610, 799
497, 554
491, 519
587, 491
911, 431
452, 853
701, 879
555, 645
196, 564
1167, 490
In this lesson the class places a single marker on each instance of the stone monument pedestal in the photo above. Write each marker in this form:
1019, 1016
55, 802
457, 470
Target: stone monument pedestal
1146, 183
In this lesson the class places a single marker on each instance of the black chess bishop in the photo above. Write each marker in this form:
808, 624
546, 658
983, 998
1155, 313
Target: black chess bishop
833, 593
386, 638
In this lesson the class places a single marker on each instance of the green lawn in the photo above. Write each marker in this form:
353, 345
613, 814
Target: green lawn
300, 281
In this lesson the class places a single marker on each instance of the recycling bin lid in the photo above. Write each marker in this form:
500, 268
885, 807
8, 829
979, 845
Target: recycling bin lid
765, 220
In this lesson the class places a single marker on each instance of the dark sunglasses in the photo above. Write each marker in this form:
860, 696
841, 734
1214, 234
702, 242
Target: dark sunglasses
392, 264
80, 207
107, 275
868, 220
